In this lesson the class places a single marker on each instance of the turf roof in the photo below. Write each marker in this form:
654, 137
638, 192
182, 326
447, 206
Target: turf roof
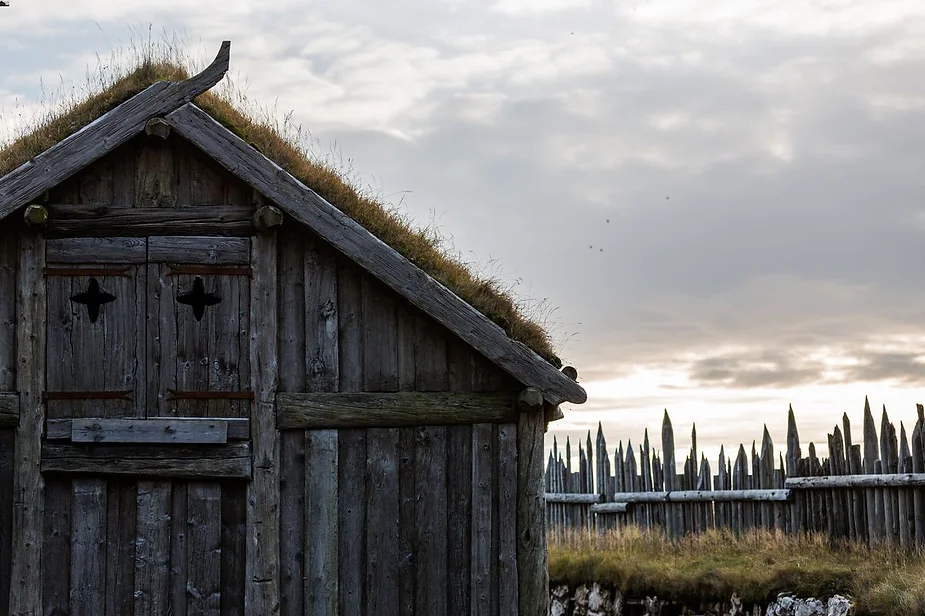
417, 245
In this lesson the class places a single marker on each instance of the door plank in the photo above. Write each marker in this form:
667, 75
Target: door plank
122, 514
188, 431
152, 557
88, 547
56, 585
204, 533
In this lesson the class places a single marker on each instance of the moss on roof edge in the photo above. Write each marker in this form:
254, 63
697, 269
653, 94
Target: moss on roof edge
416, 245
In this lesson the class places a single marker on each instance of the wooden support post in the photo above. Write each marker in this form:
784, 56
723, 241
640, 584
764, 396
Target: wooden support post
532, 573
28, 486
35, 215
157, 127
262, 590
267, 218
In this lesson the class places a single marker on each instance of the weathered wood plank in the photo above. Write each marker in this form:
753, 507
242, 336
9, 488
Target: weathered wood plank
9, 264
104, 221
856, 481
351, 494
155, 181
6, 516
204, 548
484, 583
9, 410
321, 523
56, 583
121, 518
170, 430
350, 333
206, 180
508, 600
573, 499
352, 520
152, 555
918, 466
701, 496
430, 357
407, 522
162, 347
532, 574
94, 184
382, 506
234, 549
294, 550
104, 135
28, 485
372, 255
88, 548
121, 250
610, 508
430, 541
200, 250
220, 461
407, 494
123, 174
238, 428
179, 548
391, 409
459, 487
321, 322
262, 589
380, 334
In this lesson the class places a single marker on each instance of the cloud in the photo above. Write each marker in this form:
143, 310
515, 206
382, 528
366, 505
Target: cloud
760, 166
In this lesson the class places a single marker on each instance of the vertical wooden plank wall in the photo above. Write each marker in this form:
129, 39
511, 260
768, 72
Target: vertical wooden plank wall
9, 260
28, 488
430, 476
320, 352
351, 463
395, 520
261, 590
293, 549
380, 372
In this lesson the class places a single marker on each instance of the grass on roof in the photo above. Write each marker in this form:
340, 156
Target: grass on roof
757, 566
422, 246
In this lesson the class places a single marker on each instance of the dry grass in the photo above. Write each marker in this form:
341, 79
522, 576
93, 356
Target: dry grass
757, 566
124, 75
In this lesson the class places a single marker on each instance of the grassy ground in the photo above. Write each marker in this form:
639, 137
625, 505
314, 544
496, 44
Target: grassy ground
757, 566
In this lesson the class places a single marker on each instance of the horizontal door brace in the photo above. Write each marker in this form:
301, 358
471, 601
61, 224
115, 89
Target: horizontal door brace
209, 395
88, 395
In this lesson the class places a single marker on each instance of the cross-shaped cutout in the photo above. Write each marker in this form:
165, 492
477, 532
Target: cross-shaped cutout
93, 298
199, 299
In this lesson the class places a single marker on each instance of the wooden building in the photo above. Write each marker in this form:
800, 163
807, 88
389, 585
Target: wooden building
222, 395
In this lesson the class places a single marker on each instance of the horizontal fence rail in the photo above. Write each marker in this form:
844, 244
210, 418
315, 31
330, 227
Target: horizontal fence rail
872, 493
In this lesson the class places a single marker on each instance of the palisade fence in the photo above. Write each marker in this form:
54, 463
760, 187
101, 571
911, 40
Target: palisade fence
874, 494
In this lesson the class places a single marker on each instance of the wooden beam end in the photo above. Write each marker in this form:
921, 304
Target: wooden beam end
157, 127
530, 399
35, 215
267, 218
570, 372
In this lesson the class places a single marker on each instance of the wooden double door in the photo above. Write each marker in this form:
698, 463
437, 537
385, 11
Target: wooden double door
146, 450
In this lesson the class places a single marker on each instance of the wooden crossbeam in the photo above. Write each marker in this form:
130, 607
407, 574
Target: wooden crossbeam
296, 411
232, 461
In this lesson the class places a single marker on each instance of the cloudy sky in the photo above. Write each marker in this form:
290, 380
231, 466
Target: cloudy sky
718, 207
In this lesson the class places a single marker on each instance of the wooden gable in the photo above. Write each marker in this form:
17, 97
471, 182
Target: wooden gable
333, 314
